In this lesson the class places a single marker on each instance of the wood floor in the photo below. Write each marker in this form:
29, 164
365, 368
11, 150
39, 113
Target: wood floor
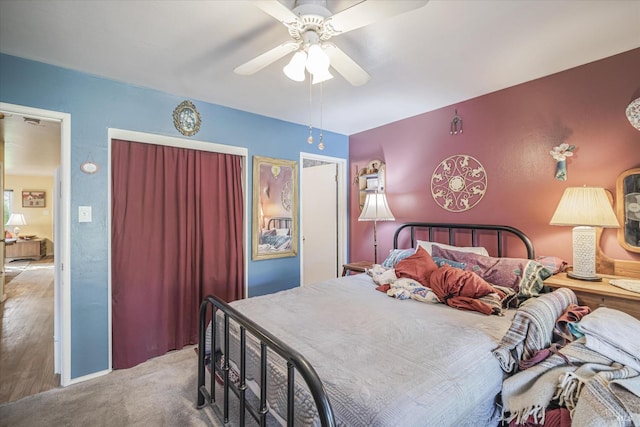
26, 332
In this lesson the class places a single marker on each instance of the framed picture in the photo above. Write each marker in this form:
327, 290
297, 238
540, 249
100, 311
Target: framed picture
275, 208
33, 199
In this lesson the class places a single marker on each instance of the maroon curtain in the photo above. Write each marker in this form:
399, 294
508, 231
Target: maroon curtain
177, 236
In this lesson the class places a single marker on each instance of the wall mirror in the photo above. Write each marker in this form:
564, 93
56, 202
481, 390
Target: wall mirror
628, 209
275, 208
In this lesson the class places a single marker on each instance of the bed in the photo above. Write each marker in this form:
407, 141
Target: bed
406, 362
277, 235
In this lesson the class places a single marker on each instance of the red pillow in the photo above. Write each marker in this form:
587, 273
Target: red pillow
418, 267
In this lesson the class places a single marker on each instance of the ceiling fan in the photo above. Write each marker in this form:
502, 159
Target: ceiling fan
311, 25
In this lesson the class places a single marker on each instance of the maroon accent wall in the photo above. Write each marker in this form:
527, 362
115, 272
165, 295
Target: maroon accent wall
510, 132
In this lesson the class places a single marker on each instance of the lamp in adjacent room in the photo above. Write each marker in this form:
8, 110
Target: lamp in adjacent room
376, 209
584, 208
16, 220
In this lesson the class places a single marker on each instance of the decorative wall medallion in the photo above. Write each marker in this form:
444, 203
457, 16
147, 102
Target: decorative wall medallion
286, 196
458, 183
186, 118
633, 113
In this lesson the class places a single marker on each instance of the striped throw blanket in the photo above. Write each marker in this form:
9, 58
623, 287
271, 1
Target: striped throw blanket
532, 328
580, 385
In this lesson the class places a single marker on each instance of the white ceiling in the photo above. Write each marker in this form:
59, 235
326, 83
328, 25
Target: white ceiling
32, 147
443, 53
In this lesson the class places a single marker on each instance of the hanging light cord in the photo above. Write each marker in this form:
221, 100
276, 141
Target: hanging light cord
310, 138
321, 144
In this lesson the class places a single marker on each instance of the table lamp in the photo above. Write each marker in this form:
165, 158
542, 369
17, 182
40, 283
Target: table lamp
16, 220
584, 208
376, 209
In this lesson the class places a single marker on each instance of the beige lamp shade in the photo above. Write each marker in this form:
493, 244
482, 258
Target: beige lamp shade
376, 208
585, 206
16, 219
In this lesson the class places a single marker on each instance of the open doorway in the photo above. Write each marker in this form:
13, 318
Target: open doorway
323, 217
31, 145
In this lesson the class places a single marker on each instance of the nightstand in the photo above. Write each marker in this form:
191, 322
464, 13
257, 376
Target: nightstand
356, 267
599, 294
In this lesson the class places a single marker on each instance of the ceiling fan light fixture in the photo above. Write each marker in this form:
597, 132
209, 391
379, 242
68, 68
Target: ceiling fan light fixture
295, 68
322, 76
317, 60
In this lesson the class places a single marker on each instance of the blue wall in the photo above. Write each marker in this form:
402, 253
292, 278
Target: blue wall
96, 104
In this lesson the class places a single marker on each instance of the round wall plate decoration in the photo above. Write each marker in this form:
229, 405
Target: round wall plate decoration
186, 118
89, 167
633, 113
458, 183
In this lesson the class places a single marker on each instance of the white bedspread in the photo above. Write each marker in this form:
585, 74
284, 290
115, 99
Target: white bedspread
386, 362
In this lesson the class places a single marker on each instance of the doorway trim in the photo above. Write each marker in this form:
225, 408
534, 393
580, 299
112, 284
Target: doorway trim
341, 165
149, 138
63, 260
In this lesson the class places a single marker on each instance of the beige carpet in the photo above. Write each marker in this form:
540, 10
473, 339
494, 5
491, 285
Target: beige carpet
159, 392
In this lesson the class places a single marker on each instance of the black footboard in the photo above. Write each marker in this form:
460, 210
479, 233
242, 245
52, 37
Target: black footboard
295, 362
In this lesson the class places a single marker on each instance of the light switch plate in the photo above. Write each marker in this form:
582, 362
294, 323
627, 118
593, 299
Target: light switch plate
84, 213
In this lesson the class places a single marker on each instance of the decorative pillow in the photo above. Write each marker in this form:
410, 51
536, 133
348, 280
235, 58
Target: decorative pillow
524, 276
282, 231
271, 232
443, 261
418, 266
554, 264
472, 249
397, 255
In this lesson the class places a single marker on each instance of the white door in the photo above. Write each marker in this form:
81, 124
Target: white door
57, 280
2, 242
320, 223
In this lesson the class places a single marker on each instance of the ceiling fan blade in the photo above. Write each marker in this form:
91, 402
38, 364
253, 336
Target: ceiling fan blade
346, 66
368, 12
267, 58
276, 9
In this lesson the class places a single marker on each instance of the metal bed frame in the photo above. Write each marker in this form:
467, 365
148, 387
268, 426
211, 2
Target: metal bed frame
295, 361
279, 222
500, 232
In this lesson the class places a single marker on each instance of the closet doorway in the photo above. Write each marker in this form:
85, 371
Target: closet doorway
178, 221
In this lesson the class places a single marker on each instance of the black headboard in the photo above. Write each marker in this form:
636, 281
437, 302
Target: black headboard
279, 222
499, 231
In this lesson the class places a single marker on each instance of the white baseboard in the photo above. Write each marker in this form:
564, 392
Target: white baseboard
88, 377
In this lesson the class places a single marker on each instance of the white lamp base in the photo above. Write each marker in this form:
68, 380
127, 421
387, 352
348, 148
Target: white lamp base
584, 254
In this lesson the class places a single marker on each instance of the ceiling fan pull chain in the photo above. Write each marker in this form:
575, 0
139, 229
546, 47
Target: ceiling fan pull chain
310, 138
321, 144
